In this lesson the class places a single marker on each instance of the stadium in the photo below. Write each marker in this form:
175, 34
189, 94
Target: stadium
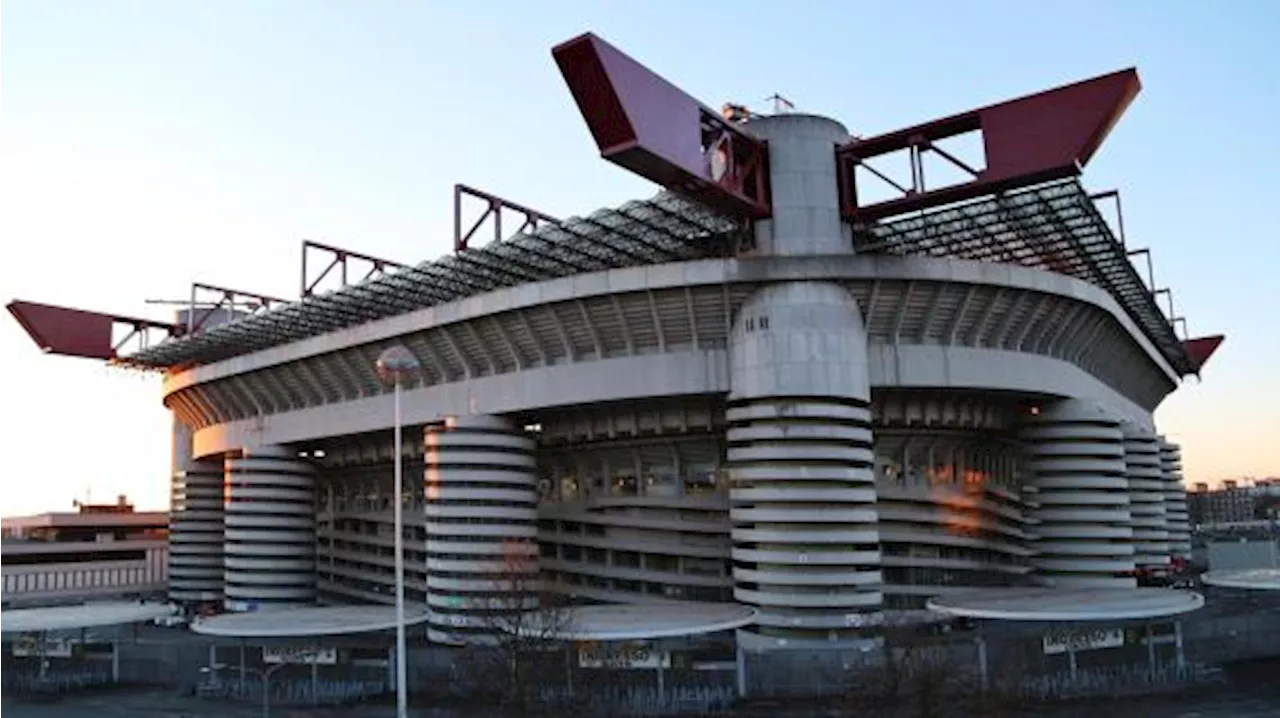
792, 381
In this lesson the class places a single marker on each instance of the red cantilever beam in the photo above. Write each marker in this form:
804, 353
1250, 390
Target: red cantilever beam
1201, 348
76, 332
644, 123
1037, 138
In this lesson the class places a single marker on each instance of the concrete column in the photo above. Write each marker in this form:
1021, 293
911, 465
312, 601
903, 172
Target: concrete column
1076, 462
270, 530
490, 461
802, 177
803, 501
195, 524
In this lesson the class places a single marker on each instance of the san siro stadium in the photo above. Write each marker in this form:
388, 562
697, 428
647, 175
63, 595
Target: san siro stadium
792, 380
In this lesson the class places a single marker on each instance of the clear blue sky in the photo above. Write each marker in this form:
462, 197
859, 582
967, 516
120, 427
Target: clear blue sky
144, 145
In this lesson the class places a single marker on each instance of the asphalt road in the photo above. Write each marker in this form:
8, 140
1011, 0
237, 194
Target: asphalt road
154, 703
1250, 696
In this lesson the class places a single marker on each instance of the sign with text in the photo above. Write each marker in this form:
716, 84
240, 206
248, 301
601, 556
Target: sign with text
635, 654
300, 654
51, 647
1076, 640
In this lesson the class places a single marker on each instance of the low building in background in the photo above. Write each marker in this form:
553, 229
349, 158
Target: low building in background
99, 552
1234, 503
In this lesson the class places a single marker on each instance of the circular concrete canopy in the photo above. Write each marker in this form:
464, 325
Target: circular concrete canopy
1260, 579
1067, 604
89, 615
624, 622
306, 621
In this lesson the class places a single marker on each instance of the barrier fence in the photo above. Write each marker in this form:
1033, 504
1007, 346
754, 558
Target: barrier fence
1009, 660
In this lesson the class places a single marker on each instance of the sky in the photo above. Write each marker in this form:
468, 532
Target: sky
147, 145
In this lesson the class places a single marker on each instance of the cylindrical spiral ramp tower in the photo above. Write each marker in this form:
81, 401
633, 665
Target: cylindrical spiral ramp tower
802, 509
270, 530
1175, 500
802, 495
482, 552
195, 524
1146, 499
1076, 461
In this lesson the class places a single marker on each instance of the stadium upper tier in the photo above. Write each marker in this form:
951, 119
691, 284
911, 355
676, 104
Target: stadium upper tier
1054, 226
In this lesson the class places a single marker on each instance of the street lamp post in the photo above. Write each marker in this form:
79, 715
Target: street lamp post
395, 365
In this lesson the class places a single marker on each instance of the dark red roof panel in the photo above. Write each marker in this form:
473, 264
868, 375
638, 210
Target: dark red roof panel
1046, 136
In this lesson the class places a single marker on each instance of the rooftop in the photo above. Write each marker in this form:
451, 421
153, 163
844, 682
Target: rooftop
1054, 226
56, 519
666, 228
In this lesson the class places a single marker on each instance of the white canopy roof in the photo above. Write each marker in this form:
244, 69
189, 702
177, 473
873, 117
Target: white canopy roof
1067, 604
89, 615
307, 621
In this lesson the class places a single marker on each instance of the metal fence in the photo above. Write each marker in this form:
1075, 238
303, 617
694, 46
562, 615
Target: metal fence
1009, 660
293, 691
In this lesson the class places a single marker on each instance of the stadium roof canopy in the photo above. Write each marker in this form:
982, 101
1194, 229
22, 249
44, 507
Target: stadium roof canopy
1026, 206
663, 229
1054, 226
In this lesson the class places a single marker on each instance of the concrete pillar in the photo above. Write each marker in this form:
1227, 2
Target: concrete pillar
270, 530
195, 524
490, 461
805, 192
1146, 498
1076, 462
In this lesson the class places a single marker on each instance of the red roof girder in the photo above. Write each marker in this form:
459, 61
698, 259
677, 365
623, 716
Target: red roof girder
77, 332
1038, 138
644, 123
1201, 349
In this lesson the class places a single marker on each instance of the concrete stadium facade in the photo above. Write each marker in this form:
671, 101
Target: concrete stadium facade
830, 421
823, 435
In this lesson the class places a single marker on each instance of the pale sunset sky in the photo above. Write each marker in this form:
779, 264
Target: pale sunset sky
146, 145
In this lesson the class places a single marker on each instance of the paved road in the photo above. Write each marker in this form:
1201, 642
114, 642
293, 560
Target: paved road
1259, 701
167, 703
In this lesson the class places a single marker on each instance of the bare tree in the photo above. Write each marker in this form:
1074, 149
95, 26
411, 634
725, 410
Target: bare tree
523, 629
917, 672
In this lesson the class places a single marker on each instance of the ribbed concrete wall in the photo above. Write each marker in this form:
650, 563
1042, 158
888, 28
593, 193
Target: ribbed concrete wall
482, 552
802, 498
1076, 461
1146, 498
270, 530
1175, 499
195, 524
